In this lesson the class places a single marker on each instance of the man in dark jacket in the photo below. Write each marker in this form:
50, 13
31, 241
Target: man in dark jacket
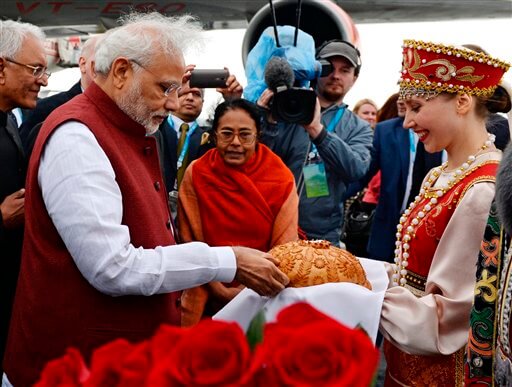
22, 73
403, 163
32, 123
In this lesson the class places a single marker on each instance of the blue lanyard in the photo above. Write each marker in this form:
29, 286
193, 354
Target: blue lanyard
412, 143
330, 128
186, 144
336, 119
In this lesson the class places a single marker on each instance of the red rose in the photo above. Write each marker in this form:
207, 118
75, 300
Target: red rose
165, 339
107, 363
212, 353
135, 366
305, 347
66, 371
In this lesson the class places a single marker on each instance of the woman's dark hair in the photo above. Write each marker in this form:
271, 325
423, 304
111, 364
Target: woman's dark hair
499, 102
252, 109
389, 109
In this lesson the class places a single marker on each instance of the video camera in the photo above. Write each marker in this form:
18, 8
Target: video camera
291, 104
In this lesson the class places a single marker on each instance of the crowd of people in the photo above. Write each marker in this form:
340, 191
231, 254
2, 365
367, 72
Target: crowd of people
119, 212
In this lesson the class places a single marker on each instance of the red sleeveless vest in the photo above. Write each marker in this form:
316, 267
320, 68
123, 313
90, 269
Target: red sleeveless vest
55, 307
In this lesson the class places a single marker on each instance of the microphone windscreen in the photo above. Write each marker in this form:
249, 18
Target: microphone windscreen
278, 72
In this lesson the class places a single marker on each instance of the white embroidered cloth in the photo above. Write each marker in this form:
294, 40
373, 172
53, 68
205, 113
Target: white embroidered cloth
348, 303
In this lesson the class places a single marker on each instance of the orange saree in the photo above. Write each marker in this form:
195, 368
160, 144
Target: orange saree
255, 205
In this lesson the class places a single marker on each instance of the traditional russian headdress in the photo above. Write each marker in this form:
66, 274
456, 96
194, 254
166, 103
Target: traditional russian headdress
429, 69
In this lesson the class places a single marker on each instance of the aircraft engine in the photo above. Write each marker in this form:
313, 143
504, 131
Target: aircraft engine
322, 19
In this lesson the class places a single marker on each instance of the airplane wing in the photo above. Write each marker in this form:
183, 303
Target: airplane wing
70, 17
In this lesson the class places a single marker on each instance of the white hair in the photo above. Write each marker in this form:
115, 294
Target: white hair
89, 46
142, 36
12, 35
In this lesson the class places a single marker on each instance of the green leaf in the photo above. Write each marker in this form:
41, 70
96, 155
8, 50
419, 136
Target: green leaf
359, 326
255, 332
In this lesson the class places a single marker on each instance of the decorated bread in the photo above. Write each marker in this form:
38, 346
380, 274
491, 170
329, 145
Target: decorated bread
309, 263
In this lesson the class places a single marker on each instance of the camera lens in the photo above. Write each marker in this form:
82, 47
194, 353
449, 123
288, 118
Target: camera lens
294, 105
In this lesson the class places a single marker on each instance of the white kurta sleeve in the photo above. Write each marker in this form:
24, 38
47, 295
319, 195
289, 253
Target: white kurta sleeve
438, 322
84, 201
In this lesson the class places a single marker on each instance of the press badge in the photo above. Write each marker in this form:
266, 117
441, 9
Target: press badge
315, 180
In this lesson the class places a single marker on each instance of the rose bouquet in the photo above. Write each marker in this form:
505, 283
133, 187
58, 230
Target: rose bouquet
303, 347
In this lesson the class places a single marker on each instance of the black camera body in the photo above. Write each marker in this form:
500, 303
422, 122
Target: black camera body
326, 68
208, 78
291, 104
295, 105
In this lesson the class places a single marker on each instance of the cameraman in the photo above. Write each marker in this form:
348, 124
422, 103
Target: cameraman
328, 153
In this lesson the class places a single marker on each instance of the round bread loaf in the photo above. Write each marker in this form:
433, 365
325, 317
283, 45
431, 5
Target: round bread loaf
309, 263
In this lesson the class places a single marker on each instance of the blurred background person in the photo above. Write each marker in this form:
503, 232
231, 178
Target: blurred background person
391, 109
367, 110
34, 119
402, 162
22, 73
239, 193
358, 212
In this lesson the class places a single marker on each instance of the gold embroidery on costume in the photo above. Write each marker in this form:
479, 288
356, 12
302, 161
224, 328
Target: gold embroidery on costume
480, 179
445, 71
430, 227
416, 283
490, 294
429, 69
425, 371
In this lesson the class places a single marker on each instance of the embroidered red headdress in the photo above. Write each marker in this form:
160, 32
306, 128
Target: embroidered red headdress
429, 69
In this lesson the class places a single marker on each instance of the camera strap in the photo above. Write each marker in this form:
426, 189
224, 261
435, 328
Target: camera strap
300, 183
313, 152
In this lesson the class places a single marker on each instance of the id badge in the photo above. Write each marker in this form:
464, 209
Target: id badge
315, 180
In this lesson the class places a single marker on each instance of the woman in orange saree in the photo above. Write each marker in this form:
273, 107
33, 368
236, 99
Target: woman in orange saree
239, 193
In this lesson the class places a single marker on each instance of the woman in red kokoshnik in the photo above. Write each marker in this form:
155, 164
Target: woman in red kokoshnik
448, 92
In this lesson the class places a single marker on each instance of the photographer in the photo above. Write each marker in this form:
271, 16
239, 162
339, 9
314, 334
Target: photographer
328, 153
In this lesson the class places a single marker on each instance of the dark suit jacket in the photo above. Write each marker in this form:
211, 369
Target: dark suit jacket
498, 126
170, 150
30, 128
391, 155
12, 178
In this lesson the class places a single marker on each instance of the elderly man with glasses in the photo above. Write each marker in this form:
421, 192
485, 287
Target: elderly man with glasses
22, 73
33, 121
99, 256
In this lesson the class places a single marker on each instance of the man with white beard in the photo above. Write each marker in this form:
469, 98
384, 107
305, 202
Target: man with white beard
99, 258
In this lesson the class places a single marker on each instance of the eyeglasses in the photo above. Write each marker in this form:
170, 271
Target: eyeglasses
166, 88
227, 136
37, 71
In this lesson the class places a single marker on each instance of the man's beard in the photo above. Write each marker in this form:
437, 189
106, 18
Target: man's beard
132, 103
332, 96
